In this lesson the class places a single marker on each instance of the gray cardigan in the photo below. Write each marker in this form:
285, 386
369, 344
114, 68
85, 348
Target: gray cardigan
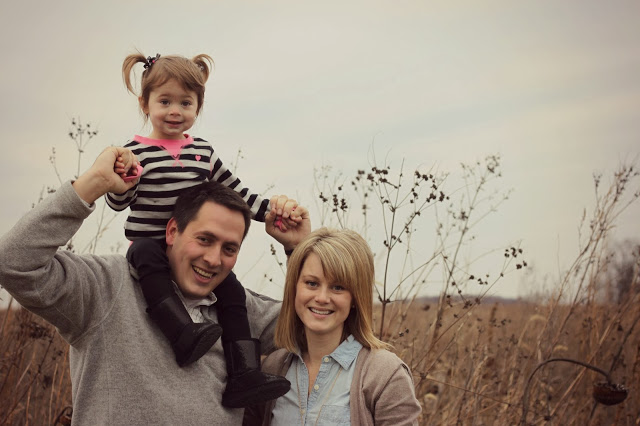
381, 393
122, 368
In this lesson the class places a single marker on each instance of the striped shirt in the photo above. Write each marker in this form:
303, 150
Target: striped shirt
169, 166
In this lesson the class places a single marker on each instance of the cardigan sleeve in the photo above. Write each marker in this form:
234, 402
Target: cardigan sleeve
389, 392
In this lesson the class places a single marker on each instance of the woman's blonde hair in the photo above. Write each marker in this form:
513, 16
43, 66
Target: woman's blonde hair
191, 74
347, 260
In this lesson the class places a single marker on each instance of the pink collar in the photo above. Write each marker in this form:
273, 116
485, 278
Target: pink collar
172, 146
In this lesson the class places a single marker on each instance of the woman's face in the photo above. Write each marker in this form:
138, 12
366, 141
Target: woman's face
322, 306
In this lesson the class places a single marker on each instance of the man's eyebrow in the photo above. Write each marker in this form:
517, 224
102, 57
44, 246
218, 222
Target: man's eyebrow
207, 234
213, 236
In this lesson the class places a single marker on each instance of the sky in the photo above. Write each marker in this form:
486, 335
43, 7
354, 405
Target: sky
553, 87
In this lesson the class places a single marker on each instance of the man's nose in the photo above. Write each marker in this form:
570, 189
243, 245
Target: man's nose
212, 256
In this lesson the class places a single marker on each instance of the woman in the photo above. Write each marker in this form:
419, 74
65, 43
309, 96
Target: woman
340, 373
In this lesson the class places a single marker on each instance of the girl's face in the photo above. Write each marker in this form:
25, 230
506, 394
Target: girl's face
323, 307
171, 109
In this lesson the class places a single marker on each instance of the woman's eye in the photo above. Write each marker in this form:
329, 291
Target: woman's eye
312, 283
338, 288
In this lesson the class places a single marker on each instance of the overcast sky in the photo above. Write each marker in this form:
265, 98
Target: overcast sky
553, 87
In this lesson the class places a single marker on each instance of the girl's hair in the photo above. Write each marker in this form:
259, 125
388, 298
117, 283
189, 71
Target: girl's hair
192, 74
347, 260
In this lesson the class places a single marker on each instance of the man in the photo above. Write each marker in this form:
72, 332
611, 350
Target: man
121, 369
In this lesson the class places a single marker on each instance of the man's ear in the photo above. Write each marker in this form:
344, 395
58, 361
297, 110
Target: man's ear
171, 231
143, 106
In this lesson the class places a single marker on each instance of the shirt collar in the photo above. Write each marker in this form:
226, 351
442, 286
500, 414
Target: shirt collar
345, 353
209, 300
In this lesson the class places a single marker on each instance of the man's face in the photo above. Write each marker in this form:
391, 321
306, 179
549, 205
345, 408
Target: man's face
203, 254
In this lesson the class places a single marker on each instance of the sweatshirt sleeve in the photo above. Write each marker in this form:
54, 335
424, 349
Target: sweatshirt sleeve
220, 173
263, 314
70, 291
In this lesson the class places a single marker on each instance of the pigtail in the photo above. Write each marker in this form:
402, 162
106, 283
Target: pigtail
127, 68
205, 63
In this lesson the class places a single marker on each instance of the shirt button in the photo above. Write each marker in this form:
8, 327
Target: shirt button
326, 359
316, 387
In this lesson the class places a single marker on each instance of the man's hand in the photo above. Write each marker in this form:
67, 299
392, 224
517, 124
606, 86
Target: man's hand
294, 223
102, 177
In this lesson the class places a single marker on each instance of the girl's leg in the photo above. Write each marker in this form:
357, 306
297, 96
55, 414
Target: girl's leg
246, 384
189, 340
232, 309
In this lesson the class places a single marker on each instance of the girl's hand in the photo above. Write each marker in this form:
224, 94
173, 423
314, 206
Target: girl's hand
102, 177
126, 165
286, 216
288, 236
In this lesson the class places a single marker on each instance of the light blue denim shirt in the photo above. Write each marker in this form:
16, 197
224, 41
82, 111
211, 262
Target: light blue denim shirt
328, 403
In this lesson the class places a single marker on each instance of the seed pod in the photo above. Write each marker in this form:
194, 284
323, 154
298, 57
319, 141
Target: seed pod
609, 393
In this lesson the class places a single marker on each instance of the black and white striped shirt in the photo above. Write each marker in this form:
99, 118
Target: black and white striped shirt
170, 166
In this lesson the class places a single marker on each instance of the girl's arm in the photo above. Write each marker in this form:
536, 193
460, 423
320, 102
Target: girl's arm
220, 173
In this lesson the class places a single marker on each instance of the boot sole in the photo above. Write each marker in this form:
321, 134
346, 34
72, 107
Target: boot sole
255, 395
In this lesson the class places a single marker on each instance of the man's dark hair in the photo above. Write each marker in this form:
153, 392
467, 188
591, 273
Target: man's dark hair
191, 199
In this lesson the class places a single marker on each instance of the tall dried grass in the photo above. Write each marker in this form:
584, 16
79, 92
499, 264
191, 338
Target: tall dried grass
471, 358
35, 386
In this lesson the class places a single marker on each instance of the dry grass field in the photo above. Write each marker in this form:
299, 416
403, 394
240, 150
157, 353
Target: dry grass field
35, 385
477, 371
474, 373
475, 360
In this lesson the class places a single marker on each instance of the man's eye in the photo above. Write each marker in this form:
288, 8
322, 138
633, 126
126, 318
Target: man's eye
231, 250
203, 239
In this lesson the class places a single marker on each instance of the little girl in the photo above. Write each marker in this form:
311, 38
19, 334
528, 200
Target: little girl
172, 94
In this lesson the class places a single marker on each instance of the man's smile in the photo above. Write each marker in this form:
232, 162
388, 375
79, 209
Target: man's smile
202, 272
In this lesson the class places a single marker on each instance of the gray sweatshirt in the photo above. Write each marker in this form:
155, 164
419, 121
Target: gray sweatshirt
122, 368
